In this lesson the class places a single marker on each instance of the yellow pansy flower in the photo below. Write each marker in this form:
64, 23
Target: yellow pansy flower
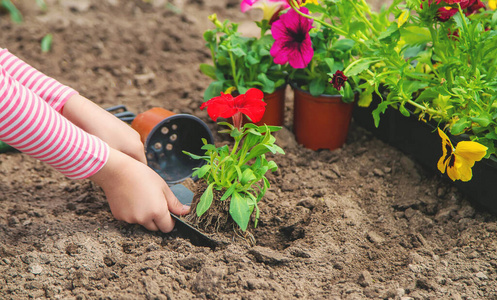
404, 16
304, 2
230, 90
458, 161
492, 4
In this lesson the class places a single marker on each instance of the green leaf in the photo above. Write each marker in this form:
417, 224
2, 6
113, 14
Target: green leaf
393, 28
42, 4
257, 151
209, 36
15, 14
404, 111
213, 90
330, 62
247, 176
46, 43
460, 126
268, 85
239, 173
415, 35
382, 107
203, 170
344, 44
228, 192
272, 166
482, 120
460, 20
317, 86
205, 200
365, 99
358, 66
239, 210
194, 156
208, 70
208, 147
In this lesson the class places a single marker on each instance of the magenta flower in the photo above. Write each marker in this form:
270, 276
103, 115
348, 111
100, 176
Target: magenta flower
292, 41
269, 7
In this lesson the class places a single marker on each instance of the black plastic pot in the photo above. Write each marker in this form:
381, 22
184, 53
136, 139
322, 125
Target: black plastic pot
165, 136
421, 141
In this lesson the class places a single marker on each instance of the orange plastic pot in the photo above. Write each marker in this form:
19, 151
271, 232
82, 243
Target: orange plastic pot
320, 122
275, 108
165, 136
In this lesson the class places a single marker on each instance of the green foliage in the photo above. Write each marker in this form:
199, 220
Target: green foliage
46, 43
239, 172
15, 14
240, 62
445, 70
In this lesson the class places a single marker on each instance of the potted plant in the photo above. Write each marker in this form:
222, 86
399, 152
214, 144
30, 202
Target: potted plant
433, 64
315, 56
240, 62
233, 179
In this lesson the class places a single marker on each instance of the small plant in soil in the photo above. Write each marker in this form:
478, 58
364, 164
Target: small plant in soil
234, 178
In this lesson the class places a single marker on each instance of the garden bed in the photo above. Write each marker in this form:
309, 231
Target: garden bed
364, 221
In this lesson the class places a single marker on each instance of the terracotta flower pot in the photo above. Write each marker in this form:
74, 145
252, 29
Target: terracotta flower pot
165, 136
275, 108
320, 122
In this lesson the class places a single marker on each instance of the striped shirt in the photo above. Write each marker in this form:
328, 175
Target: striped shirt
31, 123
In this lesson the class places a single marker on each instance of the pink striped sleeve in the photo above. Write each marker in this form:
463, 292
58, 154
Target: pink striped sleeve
49, 89
30, 125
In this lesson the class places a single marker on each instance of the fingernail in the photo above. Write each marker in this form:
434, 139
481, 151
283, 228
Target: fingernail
185, 208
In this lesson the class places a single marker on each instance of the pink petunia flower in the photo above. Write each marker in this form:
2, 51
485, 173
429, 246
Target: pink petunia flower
292, 41
269, 7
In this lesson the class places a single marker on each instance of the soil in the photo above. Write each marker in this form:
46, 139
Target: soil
361, 222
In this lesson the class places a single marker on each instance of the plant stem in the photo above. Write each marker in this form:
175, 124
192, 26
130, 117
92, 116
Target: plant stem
295, 7
424, 108
364, 17
233, 69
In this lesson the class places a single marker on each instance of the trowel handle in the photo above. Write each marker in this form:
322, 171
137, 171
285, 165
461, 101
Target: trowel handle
122, 113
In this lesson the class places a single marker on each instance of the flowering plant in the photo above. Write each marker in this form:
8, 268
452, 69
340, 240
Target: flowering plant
314, 52
437, 60
238, 62
238, 173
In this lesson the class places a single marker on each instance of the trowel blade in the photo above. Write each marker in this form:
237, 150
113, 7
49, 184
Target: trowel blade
196, 237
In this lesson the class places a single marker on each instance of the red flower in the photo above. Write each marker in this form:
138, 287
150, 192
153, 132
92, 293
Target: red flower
338, 80
225, 106
446, 12
475, 7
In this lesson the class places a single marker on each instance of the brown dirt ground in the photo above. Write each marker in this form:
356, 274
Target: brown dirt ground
361, 222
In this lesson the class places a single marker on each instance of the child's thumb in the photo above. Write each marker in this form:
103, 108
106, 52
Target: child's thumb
174, 205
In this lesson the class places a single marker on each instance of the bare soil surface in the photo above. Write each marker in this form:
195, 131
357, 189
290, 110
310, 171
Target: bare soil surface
361, 222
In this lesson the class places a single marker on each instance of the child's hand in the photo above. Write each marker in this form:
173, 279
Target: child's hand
99, 122
136, 194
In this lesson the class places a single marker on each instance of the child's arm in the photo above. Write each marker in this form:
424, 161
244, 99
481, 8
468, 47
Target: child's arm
136, 194
93, 119
77, 109
49, 89
29, 124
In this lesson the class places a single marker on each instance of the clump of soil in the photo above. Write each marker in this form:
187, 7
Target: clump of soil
214, 220
361, 222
